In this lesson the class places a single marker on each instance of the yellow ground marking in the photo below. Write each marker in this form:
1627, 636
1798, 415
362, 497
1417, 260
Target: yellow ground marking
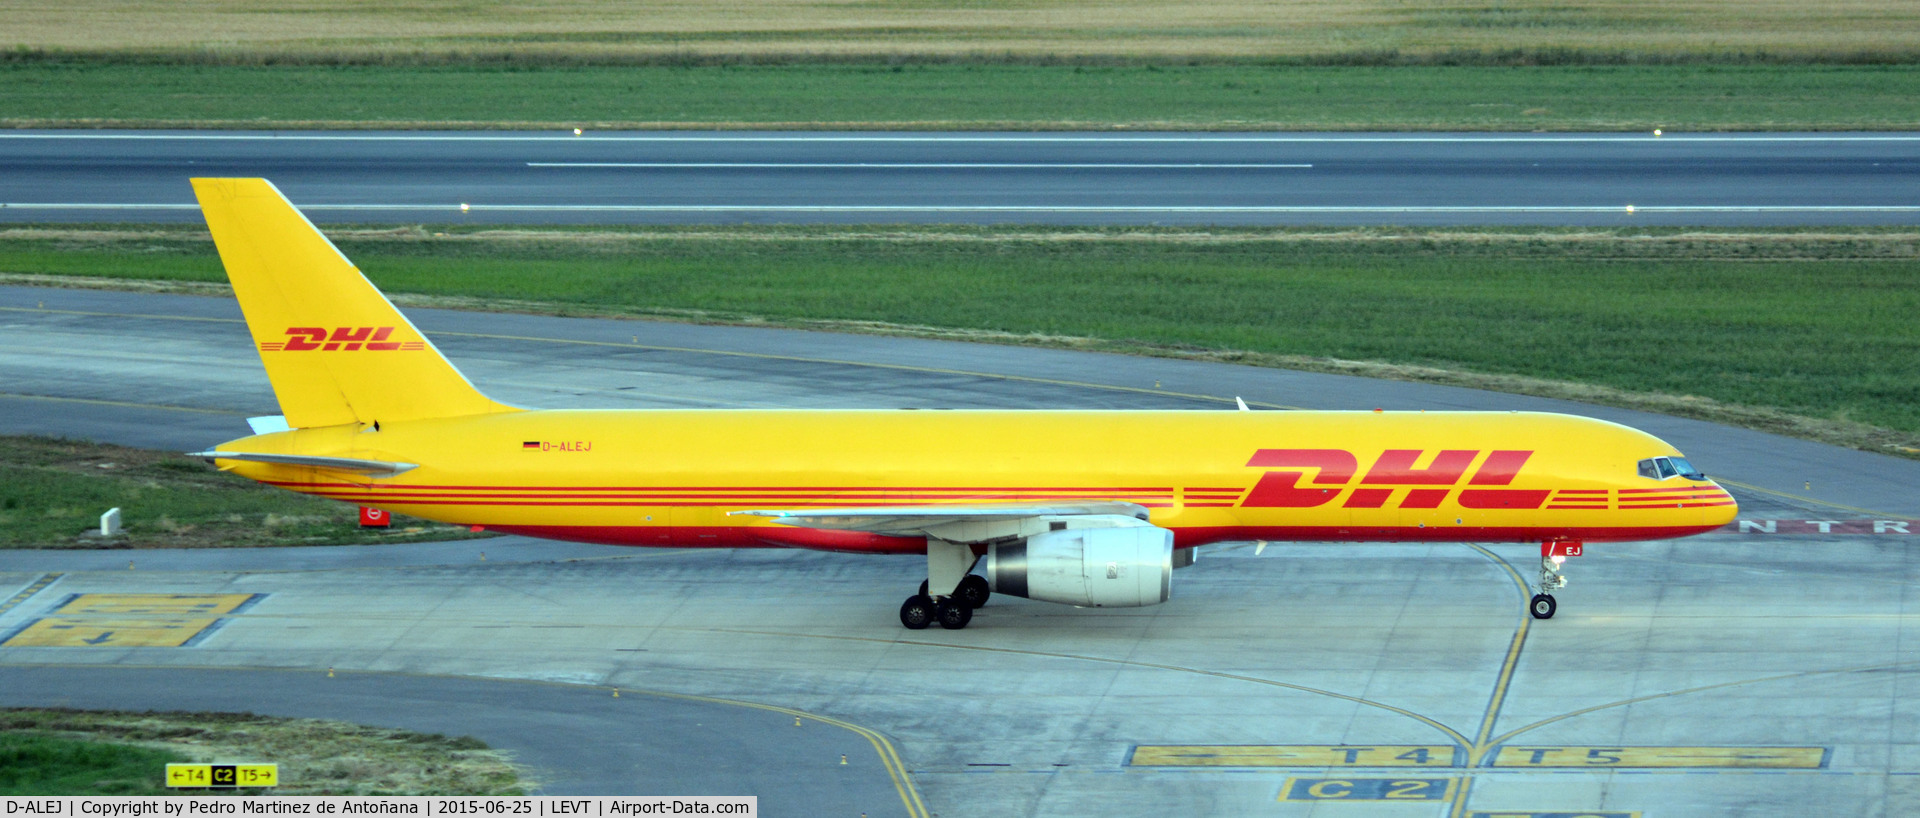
1750, 487
125, 404
1778, 758
1478, 748
28, 592
223, 775
154, 604
766, 356
1296, 755
883, 747
889, 757
1448, 731
128, 620
1369, 789
1556, 814
108, 632
1504, 737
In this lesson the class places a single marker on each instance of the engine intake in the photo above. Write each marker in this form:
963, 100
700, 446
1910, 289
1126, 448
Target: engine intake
1122, 563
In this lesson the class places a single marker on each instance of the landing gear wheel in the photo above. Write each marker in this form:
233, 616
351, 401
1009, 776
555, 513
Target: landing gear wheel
917, 612
952, 613
973, 590
1542, 606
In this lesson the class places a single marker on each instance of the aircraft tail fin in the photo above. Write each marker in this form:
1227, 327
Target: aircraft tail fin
335, 349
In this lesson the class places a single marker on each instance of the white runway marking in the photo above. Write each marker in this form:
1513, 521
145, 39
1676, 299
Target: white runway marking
929, 165
1197, 138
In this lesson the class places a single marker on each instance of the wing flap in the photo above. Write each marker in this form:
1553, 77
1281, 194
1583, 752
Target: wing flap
916, 520
372, 468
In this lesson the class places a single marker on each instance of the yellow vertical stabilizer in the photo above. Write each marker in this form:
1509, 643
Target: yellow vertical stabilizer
335, 349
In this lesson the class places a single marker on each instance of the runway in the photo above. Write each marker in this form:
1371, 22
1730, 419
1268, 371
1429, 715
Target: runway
1060, 178
1740, 673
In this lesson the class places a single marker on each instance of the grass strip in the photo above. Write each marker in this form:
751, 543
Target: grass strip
1602, 97
34, 763
52, 493
77, 752
1799, 331
977, 30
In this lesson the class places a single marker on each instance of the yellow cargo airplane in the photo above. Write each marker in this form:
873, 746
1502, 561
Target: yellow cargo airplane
1083, 508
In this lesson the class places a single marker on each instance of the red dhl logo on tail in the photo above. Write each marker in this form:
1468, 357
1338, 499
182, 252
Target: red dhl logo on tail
343, 339
1335, 468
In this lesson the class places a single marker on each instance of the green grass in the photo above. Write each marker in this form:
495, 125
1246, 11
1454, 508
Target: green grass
1686, 96
91, 752
52, 492
34, 763
1813, 324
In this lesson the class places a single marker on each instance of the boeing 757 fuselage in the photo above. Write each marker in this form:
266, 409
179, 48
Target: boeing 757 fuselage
1083, 508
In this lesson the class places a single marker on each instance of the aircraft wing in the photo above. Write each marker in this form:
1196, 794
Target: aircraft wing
916, 520
376, 468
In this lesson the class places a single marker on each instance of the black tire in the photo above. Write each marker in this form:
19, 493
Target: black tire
1542, 606
917, 612
953, 614
923, 589
973, 590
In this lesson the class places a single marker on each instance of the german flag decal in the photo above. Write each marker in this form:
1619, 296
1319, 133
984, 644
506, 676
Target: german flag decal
531, 444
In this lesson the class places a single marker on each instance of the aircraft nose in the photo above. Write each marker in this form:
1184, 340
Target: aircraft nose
1724, 510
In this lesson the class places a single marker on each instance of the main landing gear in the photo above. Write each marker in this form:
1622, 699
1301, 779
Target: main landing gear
948, 567
952, 612
1552, 554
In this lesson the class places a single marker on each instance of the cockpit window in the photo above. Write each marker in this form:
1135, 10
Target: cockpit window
1661, 468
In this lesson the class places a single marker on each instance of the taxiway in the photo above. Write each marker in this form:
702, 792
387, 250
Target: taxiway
1739, 673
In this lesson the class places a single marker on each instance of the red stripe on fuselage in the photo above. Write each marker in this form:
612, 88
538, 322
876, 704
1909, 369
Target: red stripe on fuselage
777, 536
1047, 489
670, 497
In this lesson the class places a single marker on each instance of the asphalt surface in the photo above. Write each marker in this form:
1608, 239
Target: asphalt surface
1148, 178
577, 739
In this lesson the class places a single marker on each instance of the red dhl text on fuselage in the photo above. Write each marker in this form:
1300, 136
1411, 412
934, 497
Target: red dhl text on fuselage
670, 478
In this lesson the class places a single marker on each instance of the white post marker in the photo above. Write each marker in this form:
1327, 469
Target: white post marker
110, 523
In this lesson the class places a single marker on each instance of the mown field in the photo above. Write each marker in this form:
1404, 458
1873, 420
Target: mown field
75, 752
52, 493
985, 96
964, 64
1745, 327
1023, 29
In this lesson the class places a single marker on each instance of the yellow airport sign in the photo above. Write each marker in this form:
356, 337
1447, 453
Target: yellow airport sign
1294, 755
223, 776
1776, 758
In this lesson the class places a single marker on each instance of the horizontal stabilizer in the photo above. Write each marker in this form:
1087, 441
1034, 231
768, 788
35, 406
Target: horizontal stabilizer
268, 424
906, 520
372, 468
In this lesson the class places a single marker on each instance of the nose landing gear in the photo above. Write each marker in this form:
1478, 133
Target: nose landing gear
1542, 606
1552, 554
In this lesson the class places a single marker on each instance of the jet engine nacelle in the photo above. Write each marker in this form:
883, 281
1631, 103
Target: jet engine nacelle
1120, 563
